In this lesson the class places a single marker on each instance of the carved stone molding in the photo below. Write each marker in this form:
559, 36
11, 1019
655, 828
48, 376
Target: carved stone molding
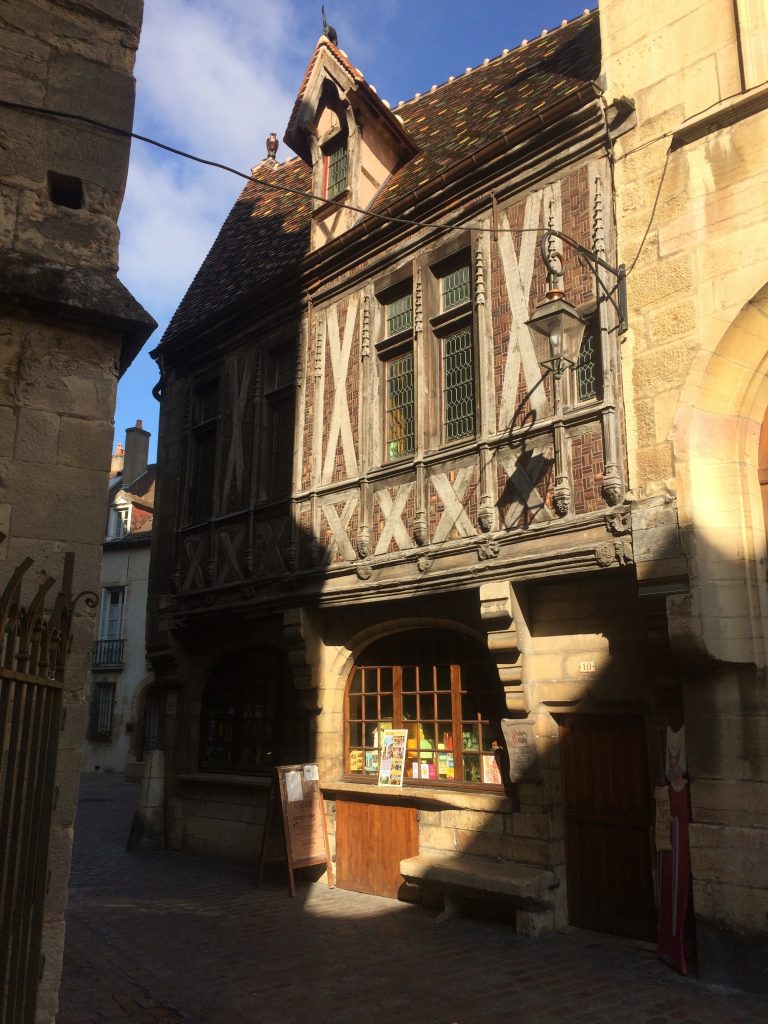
619, 523
486, 514
488, 549
210, 572
363, 543
420, 528
612, 491
605, 554
497, 609
561, 500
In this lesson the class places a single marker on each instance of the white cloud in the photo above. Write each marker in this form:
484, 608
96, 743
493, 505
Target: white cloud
209, 82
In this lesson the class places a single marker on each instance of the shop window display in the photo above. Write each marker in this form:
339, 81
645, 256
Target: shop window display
445, 694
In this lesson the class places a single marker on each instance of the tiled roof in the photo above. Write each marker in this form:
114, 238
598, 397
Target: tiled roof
265, 235
143, 487
267, 232
465, 115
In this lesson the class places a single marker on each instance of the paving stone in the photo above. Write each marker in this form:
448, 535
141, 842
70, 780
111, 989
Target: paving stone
166, 937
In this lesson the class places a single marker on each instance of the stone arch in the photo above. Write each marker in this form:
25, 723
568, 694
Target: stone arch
716, 442
338, 662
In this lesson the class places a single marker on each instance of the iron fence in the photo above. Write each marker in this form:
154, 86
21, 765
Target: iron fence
33, 652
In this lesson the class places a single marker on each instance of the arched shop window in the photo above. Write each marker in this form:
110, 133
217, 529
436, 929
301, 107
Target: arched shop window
446, 692
250, 718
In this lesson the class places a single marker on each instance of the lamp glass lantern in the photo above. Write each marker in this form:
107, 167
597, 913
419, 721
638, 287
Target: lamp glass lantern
563, 327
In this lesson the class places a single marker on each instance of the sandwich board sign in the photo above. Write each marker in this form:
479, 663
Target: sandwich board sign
296, 798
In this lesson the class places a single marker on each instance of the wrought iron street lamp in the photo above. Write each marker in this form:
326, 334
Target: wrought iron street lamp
556, 318
559, 322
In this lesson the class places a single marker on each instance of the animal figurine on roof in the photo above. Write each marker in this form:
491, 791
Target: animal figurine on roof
329, 31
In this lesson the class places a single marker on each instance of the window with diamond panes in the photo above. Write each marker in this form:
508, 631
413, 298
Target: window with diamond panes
589, 365
203, 455
456, 288
458, 385
399, 314
452, 713
336, 170
279, 374
281, 445
400, 406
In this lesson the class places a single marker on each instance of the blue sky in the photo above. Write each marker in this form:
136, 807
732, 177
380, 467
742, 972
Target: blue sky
215, 79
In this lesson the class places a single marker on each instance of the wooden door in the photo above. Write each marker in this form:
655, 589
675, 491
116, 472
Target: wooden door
371, 840
607, 804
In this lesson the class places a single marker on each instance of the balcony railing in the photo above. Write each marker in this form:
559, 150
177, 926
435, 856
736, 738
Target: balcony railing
108, 653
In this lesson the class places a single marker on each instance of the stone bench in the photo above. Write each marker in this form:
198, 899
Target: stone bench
456, 877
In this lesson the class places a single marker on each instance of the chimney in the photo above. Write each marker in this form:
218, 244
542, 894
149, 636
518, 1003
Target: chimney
116, 466
136, 453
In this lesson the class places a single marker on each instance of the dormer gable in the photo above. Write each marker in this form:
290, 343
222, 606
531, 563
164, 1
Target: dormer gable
347, 135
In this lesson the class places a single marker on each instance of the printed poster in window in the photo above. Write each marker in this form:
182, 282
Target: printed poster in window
490, 769
393, 750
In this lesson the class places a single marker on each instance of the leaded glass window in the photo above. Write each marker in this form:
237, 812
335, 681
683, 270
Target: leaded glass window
399, 314
458, 385
281, 444
455, 287
203, 454
337, 172
589, 366
400, 406
207, 403
203, 474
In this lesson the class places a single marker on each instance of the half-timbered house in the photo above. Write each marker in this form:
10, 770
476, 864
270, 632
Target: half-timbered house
392, 495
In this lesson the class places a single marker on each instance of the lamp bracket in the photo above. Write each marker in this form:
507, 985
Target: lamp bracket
619, 303
557, 365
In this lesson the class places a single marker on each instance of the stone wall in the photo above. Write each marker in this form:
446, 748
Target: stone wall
223, 818
68, 327
692, 202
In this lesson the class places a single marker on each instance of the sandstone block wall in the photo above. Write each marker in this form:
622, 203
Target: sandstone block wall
692, 201
67, 327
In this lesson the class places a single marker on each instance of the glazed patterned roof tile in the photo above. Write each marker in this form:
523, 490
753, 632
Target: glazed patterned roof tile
266, 235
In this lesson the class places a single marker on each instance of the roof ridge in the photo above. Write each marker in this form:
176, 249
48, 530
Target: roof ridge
273, 165
545, 33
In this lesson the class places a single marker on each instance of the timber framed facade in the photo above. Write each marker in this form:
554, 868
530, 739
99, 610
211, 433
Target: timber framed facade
369, 482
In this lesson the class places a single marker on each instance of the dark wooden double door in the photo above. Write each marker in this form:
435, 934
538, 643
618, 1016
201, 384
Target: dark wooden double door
608, 816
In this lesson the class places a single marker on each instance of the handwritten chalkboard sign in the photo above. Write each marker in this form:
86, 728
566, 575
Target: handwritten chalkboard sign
296, 798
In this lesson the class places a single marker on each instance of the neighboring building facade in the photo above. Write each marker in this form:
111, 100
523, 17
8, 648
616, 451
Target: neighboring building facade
386, 502
124, 717
697, 395
69, 329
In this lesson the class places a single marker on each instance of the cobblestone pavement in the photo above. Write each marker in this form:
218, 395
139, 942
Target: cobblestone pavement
165, 937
